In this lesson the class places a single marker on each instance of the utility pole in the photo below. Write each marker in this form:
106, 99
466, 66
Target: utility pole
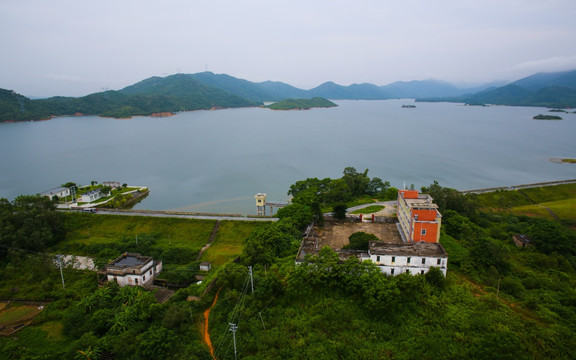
61, 273
251, 278
233, 328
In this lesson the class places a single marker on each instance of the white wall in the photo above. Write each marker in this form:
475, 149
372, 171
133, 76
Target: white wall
401, 264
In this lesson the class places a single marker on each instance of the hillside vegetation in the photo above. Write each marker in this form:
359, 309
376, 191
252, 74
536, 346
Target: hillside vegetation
301, 104
498, 301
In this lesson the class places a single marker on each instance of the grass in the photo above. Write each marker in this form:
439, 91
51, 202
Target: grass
91, 229
571, 161
509, 199
17, 312
369, 209
228, 243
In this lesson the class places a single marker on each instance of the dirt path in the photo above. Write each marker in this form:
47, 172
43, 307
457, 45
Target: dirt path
206, 333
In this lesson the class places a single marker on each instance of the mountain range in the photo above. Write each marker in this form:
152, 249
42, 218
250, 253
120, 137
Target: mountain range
206, 90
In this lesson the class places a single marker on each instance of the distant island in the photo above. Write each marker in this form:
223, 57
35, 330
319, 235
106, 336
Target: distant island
546, 117
409, 106
301, 104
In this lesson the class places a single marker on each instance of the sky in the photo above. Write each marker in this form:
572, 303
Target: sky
73, 48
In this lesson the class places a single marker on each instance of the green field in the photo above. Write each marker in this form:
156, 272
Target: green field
369, 209
90, 229
228, 243
564, 209
16, 313
559, 198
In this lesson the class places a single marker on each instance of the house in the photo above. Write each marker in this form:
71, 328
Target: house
205, 266
416, 258
133, 270
418, 217
60, 192
112, 184
91, 195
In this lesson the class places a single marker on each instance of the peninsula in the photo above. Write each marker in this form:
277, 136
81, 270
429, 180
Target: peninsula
301, 104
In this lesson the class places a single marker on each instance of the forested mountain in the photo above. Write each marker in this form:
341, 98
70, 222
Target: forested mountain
206, 90
542, 80
274, 91
264, 91
332, 90
153, 95
556, 90
16, 107
424, 88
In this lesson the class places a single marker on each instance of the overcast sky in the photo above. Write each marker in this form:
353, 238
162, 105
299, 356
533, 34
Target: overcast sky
75, 47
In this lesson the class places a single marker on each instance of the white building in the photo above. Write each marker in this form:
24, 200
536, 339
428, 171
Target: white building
60, 192
133, 270
412, 258
91, 195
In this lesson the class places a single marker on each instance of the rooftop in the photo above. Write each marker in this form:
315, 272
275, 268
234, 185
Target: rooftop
55, 191
127, 260
420, 248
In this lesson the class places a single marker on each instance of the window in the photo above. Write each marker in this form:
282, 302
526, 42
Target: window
423, 260
421, 272
438, 262
408, 261
143, 278
423, 232
378, 258
393, 259
407, 271
391, 271
136, 281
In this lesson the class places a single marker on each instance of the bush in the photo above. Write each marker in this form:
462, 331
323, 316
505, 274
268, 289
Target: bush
360, 241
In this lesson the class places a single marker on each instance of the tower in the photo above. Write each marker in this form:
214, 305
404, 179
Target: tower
260, 203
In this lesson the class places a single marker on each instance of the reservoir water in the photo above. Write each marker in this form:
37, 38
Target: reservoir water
215, 161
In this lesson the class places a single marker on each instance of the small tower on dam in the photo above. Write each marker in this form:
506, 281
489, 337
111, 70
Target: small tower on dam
260, 203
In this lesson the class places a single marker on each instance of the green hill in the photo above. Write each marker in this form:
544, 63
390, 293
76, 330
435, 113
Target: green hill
555, 90
16, 107
154, 95
301, 104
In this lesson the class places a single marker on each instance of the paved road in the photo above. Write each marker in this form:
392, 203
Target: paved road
182, 215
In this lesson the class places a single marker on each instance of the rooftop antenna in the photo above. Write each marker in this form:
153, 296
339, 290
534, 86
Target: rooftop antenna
404, 184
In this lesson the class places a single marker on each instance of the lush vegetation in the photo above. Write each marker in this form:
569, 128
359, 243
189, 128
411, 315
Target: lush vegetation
369, 209
546, 117
154, 95
497, 302
301, 104
16, 107
353, 188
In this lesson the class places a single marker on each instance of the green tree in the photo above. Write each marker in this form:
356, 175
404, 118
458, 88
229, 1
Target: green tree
358, 183
360, 240
339, 211
299, 214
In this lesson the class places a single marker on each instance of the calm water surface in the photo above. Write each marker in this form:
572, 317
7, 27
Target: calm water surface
215, 161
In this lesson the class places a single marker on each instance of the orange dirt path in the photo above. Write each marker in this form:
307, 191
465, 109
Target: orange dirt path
206, 333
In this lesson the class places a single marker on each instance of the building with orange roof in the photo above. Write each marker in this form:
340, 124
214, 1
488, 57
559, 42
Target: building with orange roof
418, 217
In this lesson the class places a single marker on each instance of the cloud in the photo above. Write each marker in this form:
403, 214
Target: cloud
64, 77
557, 63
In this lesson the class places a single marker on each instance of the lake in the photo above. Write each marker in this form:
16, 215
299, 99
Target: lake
216, 161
